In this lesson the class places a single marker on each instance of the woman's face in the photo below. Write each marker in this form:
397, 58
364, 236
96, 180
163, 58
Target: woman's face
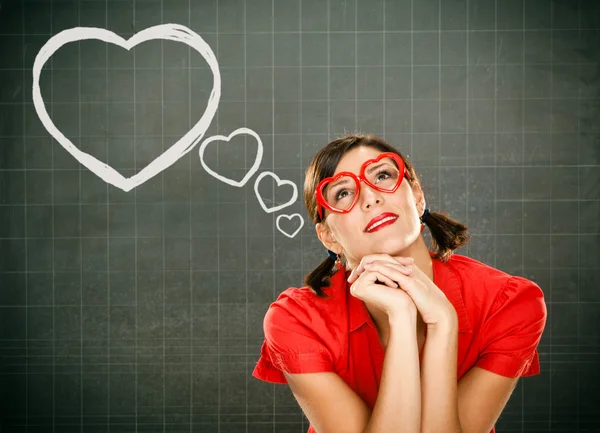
353, 233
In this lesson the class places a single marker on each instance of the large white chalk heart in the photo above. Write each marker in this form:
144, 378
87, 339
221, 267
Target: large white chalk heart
253, 169
170, 32
279, 183
289, 218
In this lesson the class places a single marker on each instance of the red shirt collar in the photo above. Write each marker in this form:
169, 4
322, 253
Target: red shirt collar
444, 277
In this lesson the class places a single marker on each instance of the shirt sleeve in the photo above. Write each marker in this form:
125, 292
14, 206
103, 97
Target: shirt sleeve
290, 346
513, 329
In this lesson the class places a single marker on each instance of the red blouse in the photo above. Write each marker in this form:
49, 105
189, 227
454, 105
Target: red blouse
501, 319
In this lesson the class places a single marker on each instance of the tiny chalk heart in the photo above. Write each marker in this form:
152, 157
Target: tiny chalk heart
289, 218
222, 138
280, 182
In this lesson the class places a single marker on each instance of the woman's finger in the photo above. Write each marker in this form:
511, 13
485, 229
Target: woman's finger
393, 271
406, 269
371, 258
411, 286
404, 281
372, 277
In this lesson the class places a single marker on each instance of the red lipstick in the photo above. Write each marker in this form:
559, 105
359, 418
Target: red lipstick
381, 221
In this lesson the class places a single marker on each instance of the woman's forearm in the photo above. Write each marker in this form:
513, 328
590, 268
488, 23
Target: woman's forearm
398, 405
438, 380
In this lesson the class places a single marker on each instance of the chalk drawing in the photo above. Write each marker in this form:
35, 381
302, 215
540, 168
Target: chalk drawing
255, 165
250, 173
170, 32
279, 183
289, 217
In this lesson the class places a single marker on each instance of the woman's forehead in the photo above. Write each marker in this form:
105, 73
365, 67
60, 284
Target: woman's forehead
353, 160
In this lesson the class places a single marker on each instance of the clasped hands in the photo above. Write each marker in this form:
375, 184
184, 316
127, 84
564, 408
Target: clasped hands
401, 273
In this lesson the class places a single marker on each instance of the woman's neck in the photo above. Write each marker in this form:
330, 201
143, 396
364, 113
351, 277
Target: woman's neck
420, 252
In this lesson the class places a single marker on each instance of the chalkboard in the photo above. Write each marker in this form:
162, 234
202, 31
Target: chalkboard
152, 156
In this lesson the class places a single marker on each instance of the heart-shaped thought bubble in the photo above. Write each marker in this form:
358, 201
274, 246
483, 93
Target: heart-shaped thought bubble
253, 169
279, 183
170, 32
289, 218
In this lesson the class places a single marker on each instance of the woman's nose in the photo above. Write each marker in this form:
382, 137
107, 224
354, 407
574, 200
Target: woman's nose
369, 196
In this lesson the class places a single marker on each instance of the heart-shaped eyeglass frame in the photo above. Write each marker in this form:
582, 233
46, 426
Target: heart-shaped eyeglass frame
322, 203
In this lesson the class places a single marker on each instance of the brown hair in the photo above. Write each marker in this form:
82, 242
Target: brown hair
447, 234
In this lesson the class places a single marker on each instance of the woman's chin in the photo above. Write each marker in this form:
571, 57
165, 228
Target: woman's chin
393, 247
397, 245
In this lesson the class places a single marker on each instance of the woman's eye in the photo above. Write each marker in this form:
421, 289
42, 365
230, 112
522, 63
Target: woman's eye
341, 194
383, 175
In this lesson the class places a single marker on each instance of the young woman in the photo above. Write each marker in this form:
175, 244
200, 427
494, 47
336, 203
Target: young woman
388, 336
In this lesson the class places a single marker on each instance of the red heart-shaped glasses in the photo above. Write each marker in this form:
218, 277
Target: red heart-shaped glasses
322, 202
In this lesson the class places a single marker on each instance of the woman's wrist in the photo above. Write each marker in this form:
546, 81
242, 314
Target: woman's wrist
402, 319
448, 324
403, 331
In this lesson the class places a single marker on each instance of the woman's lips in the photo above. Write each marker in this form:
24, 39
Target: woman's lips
382, 223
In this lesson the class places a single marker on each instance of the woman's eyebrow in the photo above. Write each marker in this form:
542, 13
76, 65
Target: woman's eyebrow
341, 181
373, 167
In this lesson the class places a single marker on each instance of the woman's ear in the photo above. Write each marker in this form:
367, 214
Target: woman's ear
420, 202
327, 239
